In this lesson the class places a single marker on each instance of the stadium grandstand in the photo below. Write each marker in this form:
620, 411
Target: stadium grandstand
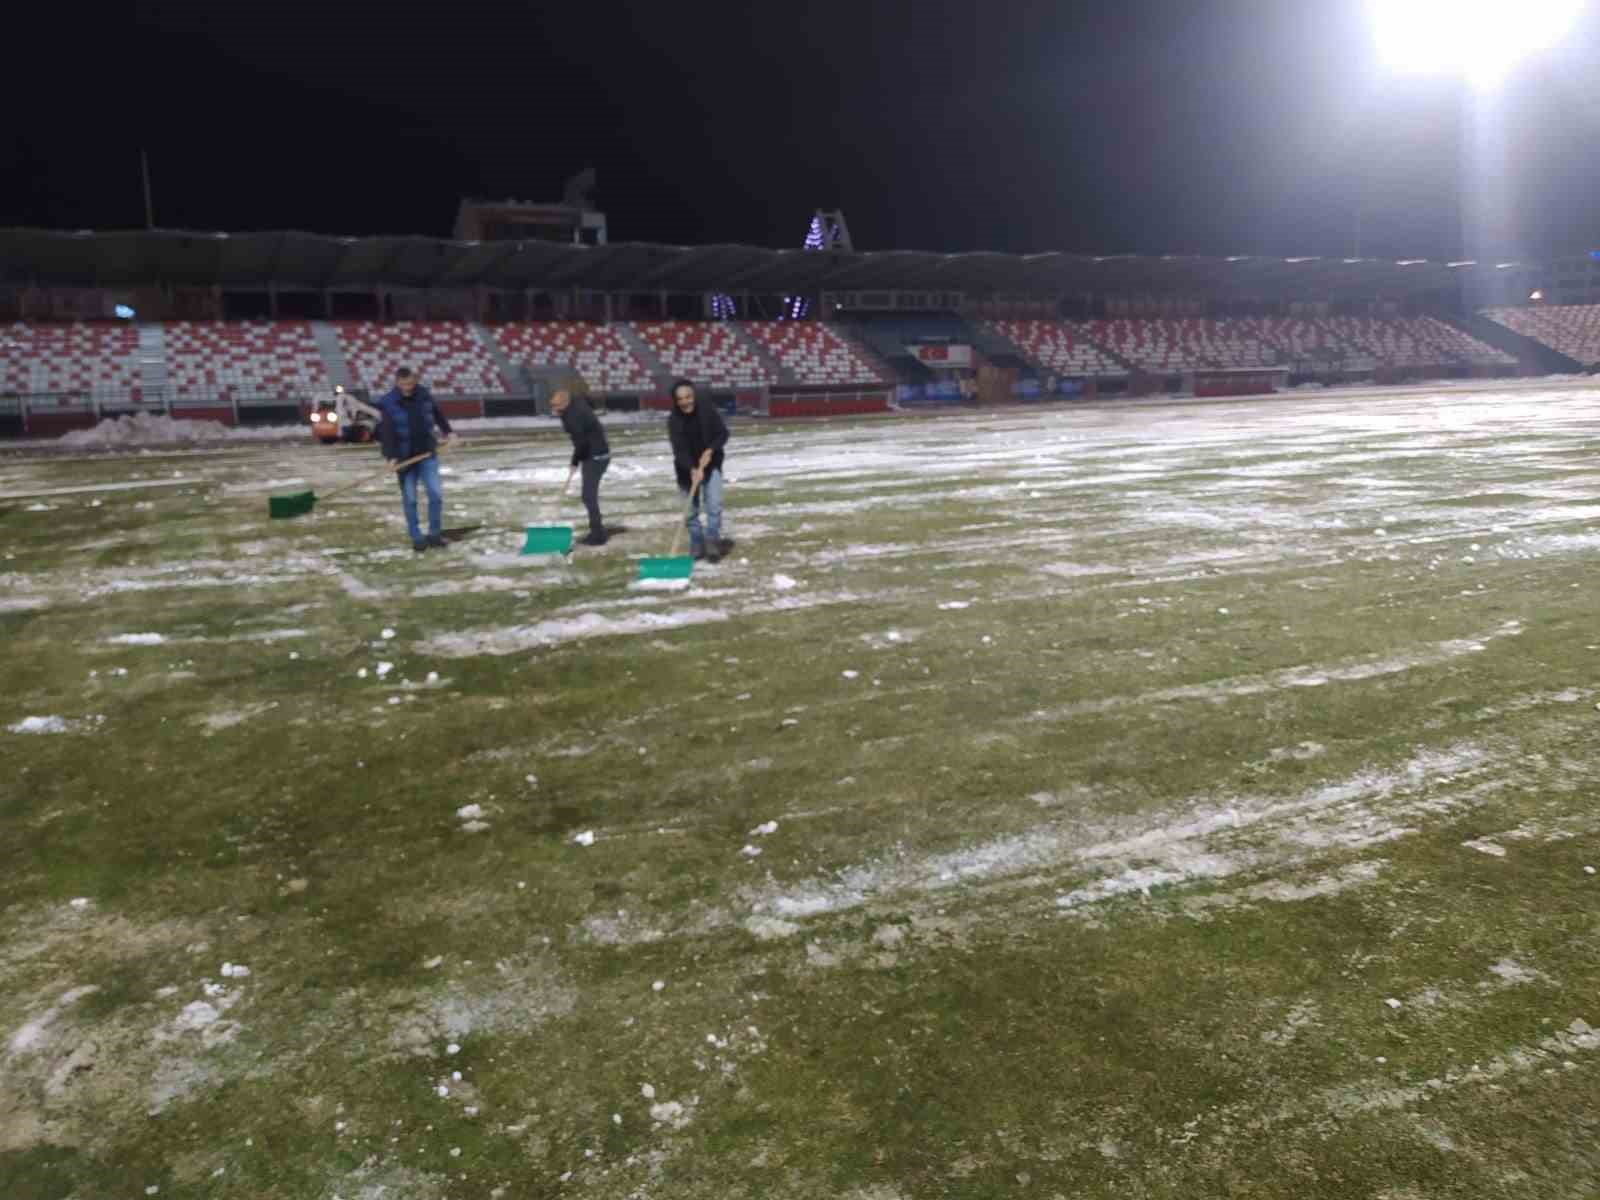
254, 327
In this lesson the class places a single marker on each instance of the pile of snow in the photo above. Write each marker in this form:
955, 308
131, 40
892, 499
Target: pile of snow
40, 725
150, 429
52, 724
137, 639
471, 817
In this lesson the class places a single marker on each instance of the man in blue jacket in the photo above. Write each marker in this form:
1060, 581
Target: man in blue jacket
410, 418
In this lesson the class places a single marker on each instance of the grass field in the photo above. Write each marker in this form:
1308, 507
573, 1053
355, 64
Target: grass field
1144, 801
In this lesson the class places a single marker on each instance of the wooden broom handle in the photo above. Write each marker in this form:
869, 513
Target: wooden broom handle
395, 469
684, 524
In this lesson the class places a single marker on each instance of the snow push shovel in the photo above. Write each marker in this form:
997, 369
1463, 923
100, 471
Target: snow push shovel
674, 566
550, 539
299, 503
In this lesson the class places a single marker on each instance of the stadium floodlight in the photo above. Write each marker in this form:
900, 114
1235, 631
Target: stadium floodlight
1536, 294
1480, 39
123, 312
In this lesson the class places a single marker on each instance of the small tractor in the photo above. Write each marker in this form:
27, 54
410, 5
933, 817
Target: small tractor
343, 417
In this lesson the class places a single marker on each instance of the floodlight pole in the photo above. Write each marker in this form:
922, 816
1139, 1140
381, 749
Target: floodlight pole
149, 210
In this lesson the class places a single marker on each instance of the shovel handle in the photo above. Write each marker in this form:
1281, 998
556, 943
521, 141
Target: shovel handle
566, 490
400, 466
687, 513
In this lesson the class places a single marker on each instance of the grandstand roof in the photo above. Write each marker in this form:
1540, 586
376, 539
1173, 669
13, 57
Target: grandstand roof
304, 260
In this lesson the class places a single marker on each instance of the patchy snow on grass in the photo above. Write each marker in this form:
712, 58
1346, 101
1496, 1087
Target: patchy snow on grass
228, 718
137, 639
1201, 842
34, 1034
1438, 654
557, 630
1072, 570
1303, 1016
41, 725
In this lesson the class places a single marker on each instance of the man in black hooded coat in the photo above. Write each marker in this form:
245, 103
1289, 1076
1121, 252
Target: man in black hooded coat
698, 434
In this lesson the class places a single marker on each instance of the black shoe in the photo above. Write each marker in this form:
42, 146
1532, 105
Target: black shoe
594, 539
435, 541
419, 547
726, 546
697, 552
713, 555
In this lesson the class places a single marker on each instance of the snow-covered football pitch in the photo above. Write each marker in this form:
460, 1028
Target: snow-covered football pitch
1160, 800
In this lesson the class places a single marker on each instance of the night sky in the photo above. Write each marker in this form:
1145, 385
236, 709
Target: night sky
1191, 126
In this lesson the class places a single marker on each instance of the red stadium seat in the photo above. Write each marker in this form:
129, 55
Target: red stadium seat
817, 354
596, 352
94, 358
242, 359
707, 352
446, 354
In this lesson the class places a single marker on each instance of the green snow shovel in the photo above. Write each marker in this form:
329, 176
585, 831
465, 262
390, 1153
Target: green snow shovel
297, 504
674, 566
550, 539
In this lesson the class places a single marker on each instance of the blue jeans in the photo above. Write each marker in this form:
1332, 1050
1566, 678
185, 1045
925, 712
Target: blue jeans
428, 471
708, 498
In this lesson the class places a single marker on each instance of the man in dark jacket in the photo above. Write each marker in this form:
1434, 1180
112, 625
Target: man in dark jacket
591, 454
410, 417
698, 433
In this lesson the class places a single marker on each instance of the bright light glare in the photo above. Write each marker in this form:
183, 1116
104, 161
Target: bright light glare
1481, 39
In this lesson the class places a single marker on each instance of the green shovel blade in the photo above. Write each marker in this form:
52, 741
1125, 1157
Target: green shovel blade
666, 568
293, 505
553, 539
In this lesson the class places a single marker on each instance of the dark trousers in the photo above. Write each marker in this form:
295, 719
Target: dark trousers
593, 470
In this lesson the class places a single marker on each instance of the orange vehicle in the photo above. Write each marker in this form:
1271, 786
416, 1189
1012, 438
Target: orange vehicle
343, 418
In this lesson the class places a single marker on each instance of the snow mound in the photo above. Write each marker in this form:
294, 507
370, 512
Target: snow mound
152, 429
53, 725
